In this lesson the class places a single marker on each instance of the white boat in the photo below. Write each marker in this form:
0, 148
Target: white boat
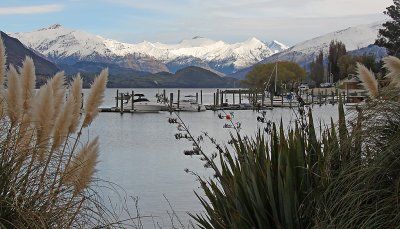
142, 104
189, 105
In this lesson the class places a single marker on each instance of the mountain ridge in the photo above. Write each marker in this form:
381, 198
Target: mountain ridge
68, 46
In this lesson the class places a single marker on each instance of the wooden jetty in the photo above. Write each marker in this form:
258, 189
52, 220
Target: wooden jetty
240, 99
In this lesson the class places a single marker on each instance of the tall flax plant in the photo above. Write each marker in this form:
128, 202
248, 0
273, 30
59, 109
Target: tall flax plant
271, 183
45, 171
277, 180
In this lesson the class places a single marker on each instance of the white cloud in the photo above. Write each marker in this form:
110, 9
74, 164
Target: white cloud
39, 9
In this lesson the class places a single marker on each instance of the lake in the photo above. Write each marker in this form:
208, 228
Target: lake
139, 152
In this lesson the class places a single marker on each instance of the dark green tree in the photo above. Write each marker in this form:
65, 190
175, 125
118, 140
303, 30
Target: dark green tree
336, 50
389, 36
317, 68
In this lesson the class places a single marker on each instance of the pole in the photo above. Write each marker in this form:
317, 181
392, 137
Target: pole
132, 98
171, 99
179, 95
116, 105
122, 103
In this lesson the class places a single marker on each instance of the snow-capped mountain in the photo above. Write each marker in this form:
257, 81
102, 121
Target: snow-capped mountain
63, 45
355, 38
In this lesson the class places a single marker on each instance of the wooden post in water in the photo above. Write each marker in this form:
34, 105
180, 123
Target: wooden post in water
312, 96
307, 97
164, 96
179, 96
171, 99
214, 100
201, 96
262, 98
233, 97
326, 95
272, 99
116, 99
320, 96
222, 97
240, 96
333, 97
132, 98
197, 97
337, 94
217, 98
122, 102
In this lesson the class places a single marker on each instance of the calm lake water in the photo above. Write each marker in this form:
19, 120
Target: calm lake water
140, 153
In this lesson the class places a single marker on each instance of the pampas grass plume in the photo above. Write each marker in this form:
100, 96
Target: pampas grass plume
2, 63
62, 123
57, 83
393, 65
14, 96
81, 169
3, 58
43, 111
95, 97
28, 83
76, 94
369, 81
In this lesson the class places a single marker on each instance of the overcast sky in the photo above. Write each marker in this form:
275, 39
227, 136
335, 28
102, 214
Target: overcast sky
169, 21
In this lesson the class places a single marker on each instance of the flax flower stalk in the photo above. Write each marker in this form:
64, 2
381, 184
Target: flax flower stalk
368, 80
14, 96
95, 98
81, 169
393, 65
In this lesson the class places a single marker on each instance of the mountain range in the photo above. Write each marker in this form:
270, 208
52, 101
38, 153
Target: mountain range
67, 46
358, 41
143, 63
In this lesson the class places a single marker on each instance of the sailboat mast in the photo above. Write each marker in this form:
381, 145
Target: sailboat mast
276, 75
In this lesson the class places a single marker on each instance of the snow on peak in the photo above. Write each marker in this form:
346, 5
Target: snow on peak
353, 37
57, 41
276, 46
